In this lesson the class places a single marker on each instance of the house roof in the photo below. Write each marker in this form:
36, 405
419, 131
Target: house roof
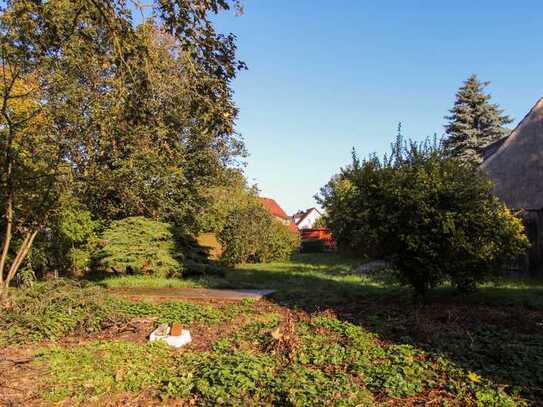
515, 163
300, 216
273, 207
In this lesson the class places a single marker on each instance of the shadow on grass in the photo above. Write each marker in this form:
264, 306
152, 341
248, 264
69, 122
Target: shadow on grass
496, 332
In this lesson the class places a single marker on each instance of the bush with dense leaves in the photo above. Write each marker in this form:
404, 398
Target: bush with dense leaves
140, 245
252, 235
435, 218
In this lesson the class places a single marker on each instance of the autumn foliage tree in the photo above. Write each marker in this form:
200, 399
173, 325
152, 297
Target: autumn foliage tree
130, 120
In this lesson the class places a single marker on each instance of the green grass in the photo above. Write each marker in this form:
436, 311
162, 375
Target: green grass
141, 281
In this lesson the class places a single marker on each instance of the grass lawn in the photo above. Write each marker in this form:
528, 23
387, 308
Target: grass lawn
326, 337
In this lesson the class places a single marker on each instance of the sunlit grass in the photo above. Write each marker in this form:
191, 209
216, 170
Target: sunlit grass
140, 281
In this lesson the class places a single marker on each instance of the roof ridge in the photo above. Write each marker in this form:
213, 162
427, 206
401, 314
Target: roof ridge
513, 134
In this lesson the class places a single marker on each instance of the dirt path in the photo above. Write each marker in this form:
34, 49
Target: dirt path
18, 383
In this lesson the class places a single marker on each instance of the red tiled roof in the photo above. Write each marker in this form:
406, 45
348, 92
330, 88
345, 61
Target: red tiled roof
273, 207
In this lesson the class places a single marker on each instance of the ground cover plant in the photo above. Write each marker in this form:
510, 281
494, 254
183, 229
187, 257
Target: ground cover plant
328, 336
55, 309
314, 360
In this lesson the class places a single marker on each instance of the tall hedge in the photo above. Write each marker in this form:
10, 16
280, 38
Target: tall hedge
434, 217
252, 235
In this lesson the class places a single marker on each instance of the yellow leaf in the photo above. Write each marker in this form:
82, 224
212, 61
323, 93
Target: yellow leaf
276, 334
474, 377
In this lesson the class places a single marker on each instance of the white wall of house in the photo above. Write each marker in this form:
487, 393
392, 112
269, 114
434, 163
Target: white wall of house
309, 220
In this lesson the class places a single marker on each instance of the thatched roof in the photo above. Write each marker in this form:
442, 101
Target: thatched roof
515, 163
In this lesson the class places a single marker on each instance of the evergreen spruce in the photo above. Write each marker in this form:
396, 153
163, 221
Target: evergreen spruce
474, 122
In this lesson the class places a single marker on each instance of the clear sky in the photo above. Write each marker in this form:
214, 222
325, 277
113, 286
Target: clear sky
325, 76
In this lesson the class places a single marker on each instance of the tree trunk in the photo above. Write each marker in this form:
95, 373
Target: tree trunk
7, 239
19, 258
5, 247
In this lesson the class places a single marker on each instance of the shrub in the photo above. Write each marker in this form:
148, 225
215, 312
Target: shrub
252, 235
435, 217
67, 245
140, 245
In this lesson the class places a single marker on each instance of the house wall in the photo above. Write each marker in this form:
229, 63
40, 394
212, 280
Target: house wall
309, 220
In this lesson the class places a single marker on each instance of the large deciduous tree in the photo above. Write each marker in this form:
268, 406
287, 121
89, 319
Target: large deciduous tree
473, 122
130, 120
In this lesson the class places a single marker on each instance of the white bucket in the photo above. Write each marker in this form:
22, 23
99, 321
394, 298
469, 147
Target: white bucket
162, 333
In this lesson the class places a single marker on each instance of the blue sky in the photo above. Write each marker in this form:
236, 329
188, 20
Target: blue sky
325, 76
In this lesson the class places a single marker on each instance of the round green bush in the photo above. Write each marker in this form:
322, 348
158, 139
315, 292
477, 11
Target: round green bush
140, 245
252, 235
435, 218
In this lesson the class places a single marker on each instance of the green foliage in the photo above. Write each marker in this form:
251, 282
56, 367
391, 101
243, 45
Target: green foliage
67, 246
252, 235
434, 217
336, 363
101, 368
313, 246
144, 245
305, 386
178, 311
234, 379
474, 122
55, 309
223, 200
132, 119
76, 227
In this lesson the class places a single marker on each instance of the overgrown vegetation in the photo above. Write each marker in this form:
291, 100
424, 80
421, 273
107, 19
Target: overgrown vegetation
434, 217
178, 311
124, 119
319, 360
55, 309
328, 336
60, 308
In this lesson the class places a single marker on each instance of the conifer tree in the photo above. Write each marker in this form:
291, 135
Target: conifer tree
474, 121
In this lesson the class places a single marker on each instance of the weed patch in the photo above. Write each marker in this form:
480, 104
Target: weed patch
55, 309
93, 370
180, 311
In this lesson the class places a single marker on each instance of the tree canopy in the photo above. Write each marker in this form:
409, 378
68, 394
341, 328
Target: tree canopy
127, 119
474, 121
